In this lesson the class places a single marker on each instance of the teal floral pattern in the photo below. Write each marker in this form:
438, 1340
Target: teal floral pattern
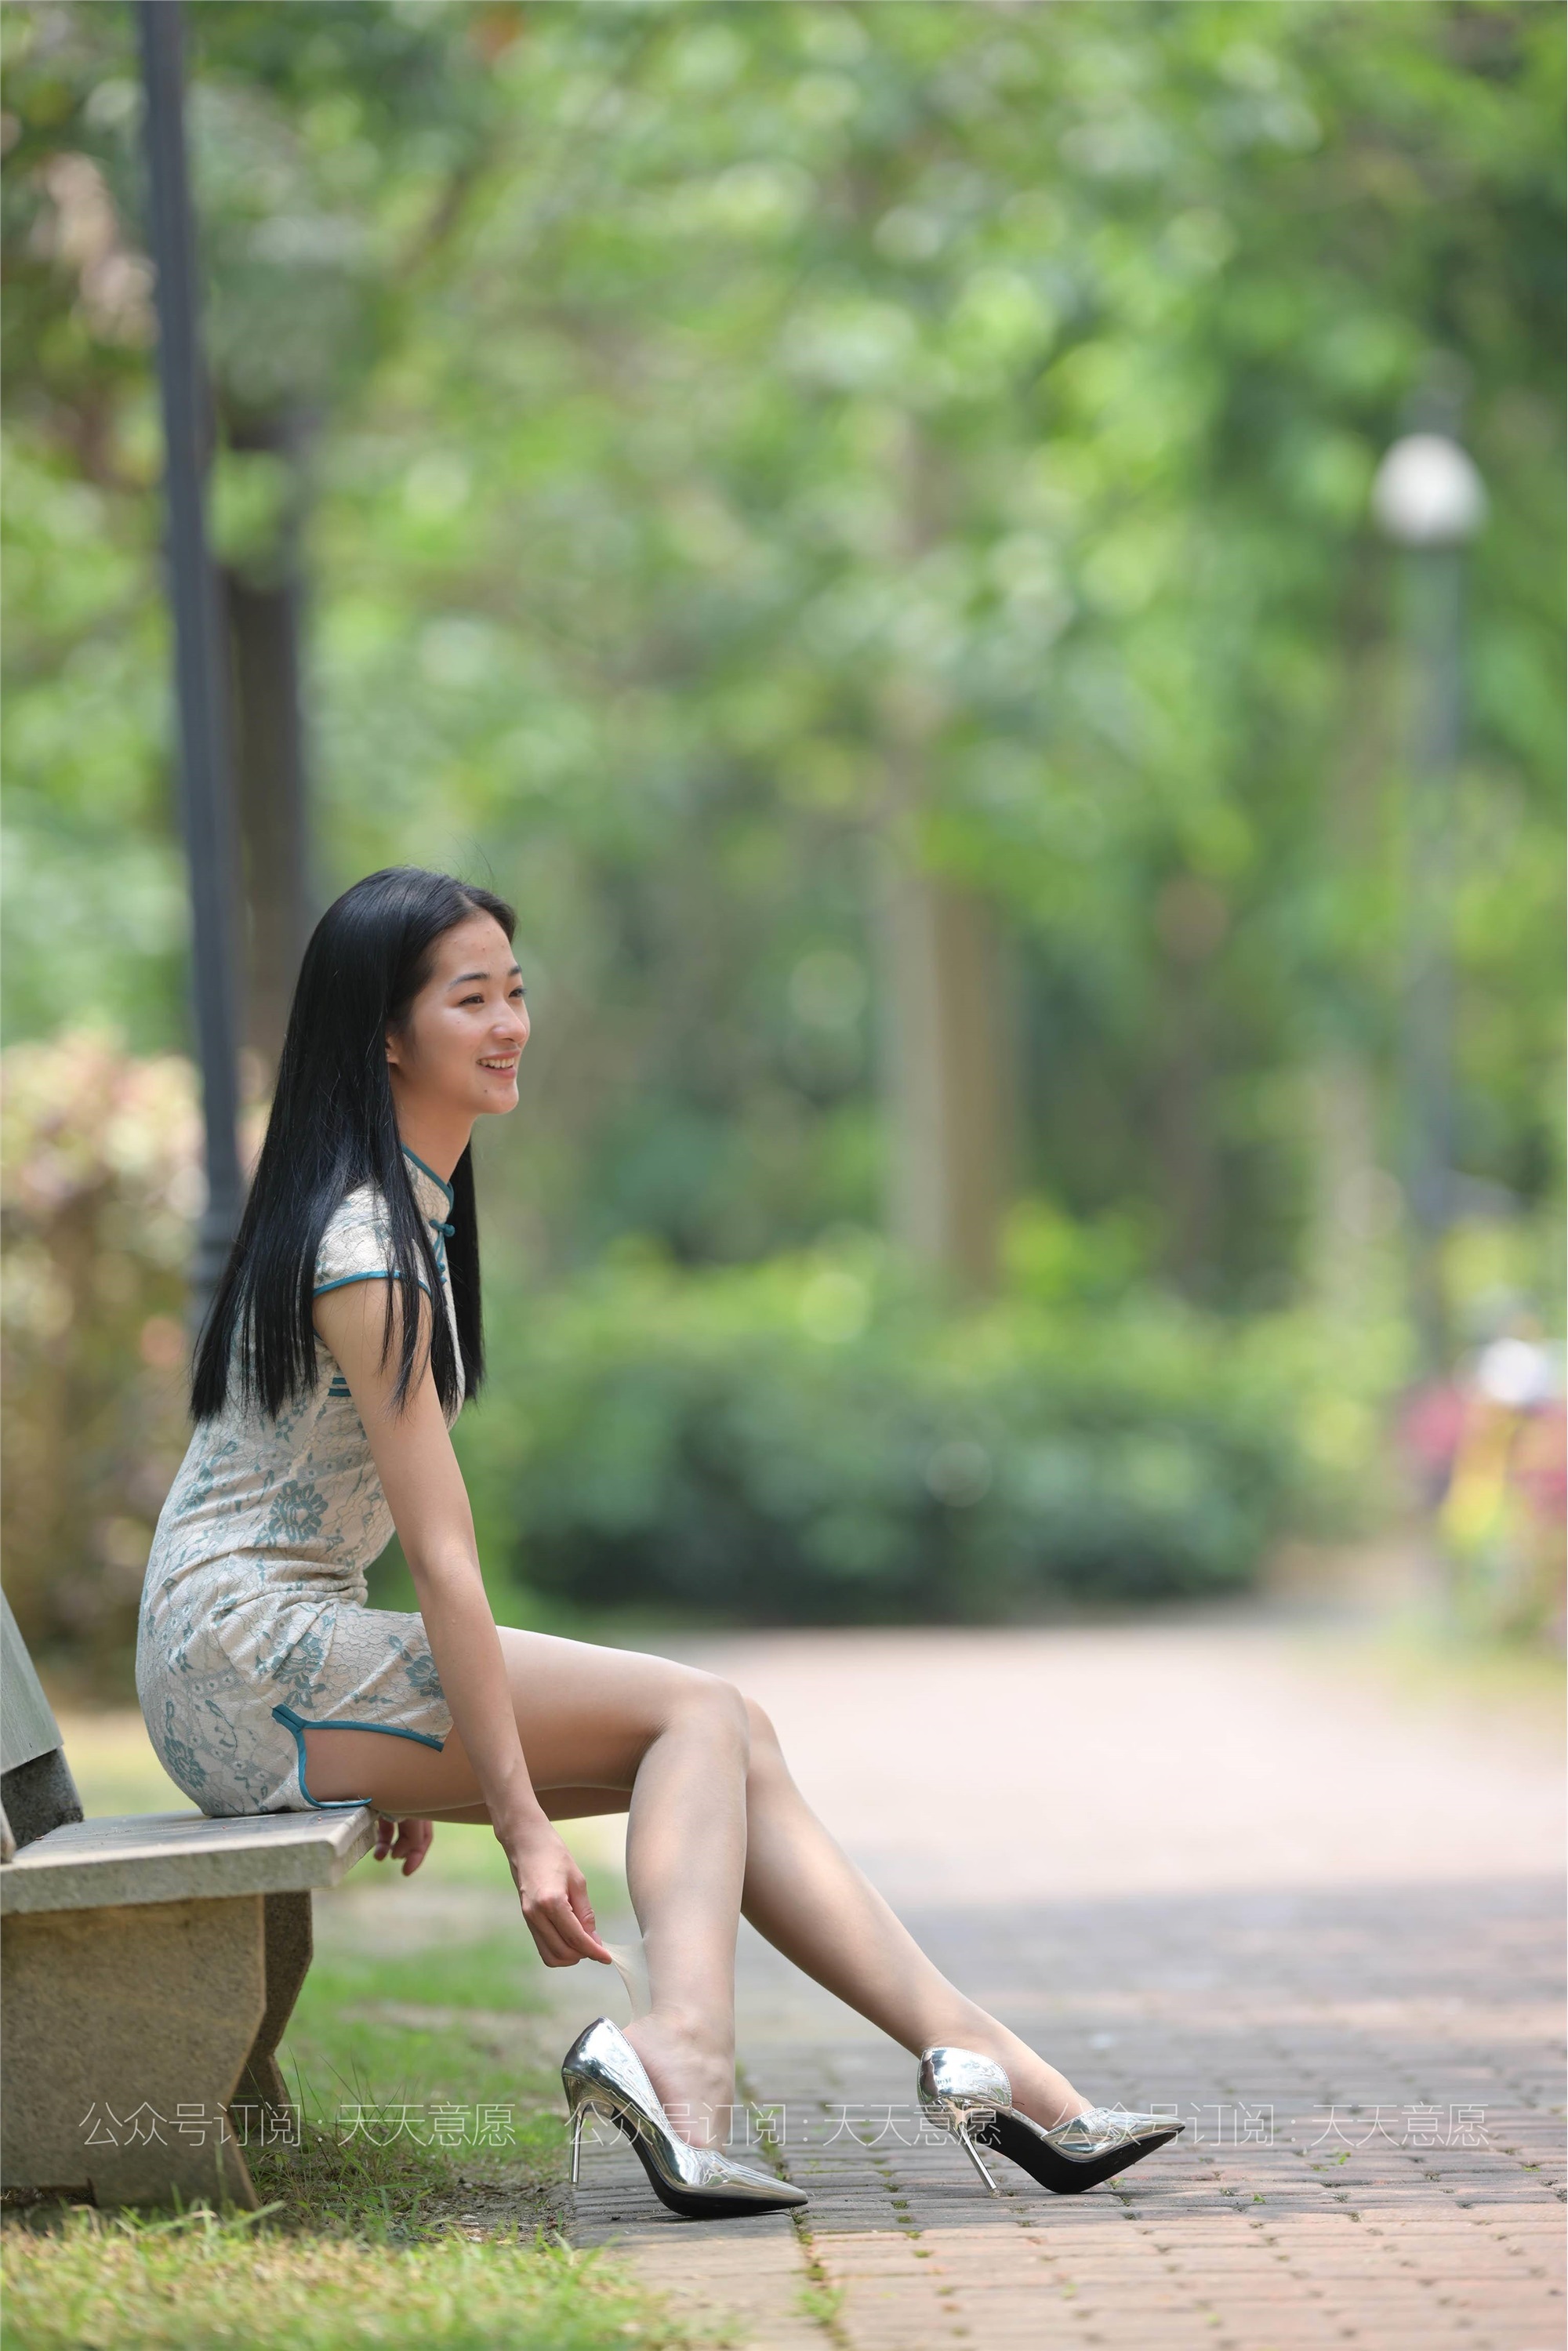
254, 1596
296, 1514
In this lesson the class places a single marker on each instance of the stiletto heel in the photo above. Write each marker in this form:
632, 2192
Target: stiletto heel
974, 2096
961, 2124
602, 2073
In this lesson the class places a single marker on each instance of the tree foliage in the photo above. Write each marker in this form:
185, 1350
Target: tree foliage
752, 441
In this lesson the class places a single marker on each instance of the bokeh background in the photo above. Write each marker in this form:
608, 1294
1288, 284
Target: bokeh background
859, 519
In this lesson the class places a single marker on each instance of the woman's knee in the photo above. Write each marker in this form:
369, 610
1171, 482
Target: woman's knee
683, 1698
594, 1713
767, 1754
718, 1705
730, 1710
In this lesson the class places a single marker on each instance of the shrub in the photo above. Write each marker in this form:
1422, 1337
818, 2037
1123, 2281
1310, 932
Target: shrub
100, 1178
808, 1439
813, 1439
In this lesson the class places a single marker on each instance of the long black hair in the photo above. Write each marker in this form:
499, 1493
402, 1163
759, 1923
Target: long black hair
333, 1128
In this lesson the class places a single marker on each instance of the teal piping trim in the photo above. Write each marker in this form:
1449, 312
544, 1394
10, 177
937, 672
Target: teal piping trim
297, 1724
380, 1274
443, 1232
450, 1195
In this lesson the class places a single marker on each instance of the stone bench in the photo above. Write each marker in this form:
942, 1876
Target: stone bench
148, 1966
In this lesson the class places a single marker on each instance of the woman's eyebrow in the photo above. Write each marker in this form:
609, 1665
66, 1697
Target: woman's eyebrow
464, 976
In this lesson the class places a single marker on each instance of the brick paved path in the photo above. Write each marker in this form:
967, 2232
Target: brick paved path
1198, 1864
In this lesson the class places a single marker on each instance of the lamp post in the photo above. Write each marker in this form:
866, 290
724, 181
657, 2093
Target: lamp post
1429, 499
206, 792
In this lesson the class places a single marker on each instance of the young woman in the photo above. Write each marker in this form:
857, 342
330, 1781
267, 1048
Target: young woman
341, 1344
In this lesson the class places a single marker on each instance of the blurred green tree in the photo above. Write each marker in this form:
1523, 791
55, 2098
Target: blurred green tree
297, 144
858, 516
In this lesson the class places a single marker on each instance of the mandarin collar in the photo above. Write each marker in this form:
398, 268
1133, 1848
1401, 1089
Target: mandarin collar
434, 1197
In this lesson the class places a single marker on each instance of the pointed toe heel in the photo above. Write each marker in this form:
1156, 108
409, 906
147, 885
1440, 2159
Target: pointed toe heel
602, 2074
973, 2096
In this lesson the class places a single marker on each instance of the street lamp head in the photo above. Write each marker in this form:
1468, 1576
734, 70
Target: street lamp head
1427, 493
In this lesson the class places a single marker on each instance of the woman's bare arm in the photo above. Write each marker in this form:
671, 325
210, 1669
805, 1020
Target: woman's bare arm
429, 1503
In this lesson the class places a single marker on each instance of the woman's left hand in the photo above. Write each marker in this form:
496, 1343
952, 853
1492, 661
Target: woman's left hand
404, 1841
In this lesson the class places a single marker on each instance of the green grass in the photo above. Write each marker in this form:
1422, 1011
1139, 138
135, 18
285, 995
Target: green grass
394, 2221
444, 2033
100, 2282
439, 2015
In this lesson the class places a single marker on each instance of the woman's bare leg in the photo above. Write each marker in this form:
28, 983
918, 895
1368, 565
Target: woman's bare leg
716, 1825
673, 1745
805, 1894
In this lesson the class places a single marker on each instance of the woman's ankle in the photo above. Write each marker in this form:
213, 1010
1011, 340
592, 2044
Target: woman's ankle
692, 2073
704, 2038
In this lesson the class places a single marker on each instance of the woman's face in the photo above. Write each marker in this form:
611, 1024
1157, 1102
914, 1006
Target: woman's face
457, 1053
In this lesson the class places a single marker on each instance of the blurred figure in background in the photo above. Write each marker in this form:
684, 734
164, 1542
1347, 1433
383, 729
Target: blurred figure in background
1489, 1450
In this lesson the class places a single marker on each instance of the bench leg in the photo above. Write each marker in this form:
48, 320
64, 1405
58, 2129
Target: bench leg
288, 1948
125, 2032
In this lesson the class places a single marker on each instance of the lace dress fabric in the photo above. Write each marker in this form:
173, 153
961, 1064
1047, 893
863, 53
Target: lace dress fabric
253, 1623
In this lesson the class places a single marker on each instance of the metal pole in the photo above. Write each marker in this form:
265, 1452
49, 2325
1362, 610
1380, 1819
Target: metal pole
1434, 589
1430, 500
206, 795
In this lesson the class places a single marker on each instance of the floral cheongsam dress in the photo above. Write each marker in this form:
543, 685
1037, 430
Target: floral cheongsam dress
254, 1626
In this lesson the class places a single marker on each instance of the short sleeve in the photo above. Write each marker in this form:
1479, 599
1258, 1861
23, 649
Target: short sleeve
357, 1243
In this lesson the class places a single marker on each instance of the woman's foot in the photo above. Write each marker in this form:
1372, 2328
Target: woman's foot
694, 2082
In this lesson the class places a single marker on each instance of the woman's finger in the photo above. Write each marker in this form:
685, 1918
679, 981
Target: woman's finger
414, 1840
570, 1938
581, 1935
544, 1927
550, 1948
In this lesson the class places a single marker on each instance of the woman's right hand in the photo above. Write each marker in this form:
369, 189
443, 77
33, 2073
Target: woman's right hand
552, 1891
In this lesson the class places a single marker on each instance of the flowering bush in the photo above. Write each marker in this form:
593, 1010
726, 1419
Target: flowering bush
100, 1180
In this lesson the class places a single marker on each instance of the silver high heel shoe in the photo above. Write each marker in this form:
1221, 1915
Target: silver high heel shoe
603, 2074
975, 2097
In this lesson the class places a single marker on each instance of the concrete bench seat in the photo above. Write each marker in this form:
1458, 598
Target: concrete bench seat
149, 1965
182, 1857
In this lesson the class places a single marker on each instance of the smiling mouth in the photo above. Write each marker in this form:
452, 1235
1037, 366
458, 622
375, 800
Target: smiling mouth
502, 1069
